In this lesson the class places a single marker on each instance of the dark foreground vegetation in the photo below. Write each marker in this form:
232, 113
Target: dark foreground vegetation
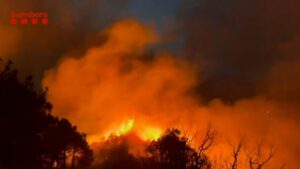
32, 138
173, 151
169, 152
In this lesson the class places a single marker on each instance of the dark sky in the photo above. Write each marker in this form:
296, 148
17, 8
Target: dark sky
163, 15
157, 10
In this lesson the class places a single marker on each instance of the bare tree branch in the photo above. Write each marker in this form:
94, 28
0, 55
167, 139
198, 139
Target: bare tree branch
257, 160
207, 140
236, 150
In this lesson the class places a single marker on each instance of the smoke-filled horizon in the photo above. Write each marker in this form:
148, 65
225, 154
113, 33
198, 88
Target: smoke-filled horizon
234, 64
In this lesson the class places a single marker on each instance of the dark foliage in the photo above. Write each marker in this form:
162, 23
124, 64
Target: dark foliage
31, 138
171, 151
118, 157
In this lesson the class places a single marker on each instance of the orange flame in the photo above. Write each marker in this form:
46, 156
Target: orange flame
145, 133
100, 91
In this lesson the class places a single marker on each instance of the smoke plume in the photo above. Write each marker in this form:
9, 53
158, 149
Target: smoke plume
120, 83
238, 69
239, 43
35, 48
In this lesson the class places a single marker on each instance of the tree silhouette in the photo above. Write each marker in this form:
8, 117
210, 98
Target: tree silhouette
24, 115
31, 138
172, 152
259, 159
63, 142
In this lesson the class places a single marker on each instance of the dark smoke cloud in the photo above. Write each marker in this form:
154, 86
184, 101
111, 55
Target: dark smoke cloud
240, 42
37, 48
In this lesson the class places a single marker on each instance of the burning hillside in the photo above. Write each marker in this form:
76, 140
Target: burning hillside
118, 87
121, 78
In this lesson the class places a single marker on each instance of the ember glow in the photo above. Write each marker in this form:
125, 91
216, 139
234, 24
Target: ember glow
112, 71
121, 85
113, 90
150, 133
123, 129
146, 133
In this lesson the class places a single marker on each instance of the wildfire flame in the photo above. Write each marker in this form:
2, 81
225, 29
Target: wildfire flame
150, 134
145, 133
115, 91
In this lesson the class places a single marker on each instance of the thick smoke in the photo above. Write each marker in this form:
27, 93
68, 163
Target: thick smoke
240, 42
247, 53
118, 81
35, 48
249, 50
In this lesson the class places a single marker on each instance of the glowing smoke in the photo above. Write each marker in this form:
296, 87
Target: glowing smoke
114, 85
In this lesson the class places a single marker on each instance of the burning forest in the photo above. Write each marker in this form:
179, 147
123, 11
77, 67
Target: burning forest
149, 85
